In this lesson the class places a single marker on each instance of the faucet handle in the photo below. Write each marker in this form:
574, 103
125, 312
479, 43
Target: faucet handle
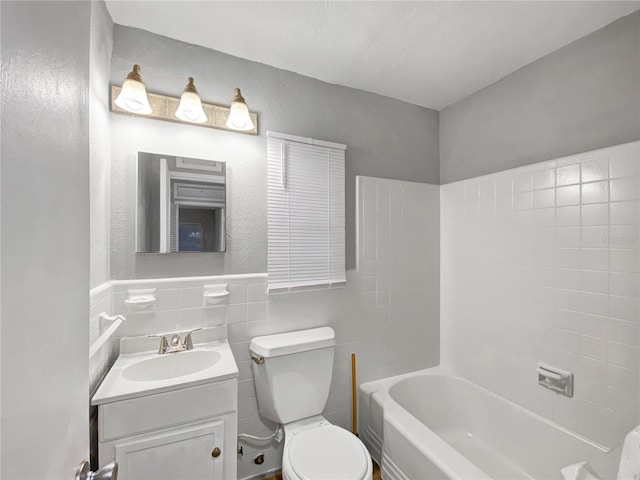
164, 343
188, 343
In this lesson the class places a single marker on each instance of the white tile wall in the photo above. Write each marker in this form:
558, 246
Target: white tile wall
541, 263
398, 266
100, 300
388, 314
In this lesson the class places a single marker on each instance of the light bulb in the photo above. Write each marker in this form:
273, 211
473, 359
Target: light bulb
239, 118
190, 108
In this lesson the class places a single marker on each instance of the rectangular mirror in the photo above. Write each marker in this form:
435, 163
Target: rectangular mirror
180, 204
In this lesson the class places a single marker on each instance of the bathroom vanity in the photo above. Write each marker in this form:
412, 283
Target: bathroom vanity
171, 415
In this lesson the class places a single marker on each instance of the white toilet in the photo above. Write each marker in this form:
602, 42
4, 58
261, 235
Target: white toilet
292, 374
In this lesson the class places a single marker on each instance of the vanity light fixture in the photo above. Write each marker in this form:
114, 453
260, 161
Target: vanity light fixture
190, 108
133, 96
133, 99
239, 118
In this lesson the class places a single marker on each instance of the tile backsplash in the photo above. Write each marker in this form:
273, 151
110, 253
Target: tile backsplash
388, 313
541, 263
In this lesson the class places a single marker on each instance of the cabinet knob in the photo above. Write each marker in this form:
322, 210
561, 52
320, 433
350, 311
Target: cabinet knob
216, 452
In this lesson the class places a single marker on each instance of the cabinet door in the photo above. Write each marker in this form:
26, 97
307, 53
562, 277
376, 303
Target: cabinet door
173, 454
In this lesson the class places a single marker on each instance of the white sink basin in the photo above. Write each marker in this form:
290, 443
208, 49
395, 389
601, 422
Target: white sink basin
171, 365
139, 371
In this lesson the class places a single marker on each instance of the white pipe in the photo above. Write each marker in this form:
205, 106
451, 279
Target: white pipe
278, 435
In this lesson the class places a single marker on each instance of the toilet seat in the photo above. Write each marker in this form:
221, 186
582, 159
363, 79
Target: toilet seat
326, 452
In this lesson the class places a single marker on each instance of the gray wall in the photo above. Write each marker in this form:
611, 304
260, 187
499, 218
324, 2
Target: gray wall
101, 44
44, 185
581, 97
385, 138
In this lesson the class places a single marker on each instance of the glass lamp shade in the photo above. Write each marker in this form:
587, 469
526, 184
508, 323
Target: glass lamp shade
133, 96
239, 118
190, 108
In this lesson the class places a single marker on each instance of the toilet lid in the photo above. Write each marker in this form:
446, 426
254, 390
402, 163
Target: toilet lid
328, 452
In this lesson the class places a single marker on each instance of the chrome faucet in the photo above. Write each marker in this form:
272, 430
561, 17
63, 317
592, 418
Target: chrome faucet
175, 344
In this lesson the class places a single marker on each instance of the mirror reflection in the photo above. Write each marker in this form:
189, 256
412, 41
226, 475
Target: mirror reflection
180, 204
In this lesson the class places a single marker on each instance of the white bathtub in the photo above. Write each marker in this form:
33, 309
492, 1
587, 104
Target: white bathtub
432, 424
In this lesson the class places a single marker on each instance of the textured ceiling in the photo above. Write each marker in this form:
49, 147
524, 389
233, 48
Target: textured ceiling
426, 53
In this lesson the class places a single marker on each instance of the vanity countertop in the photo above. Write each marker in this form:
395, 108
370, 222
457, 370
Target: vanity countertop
138, 372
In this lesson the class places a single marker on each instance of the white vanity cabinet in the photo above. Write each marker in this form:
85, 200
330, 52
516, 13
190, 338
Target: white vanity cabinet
184, 434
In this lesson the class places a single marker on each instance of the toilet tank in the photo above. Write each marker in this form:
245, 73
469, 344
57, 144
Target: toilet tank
292, 373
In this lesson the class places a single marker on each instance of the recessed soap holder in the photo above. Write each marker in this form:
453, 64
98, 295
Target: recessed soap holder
141, 299
215, 294
555, 379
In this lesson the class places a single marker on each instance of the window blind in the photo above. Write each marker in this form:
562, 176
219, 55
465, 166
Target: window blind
306, 226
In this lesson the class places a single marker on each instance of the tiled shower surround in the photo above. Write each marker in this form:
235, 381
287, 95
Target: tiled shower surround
387, 314
541, 263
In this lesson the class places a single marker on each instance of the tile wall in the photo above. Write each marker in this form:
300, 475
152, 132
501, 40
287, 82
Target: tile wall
388, 314
541, 263
100, 301
398, 262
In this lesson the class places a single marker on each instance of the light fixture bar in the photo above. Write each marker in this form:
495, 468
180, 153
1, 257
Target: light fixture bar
164, 108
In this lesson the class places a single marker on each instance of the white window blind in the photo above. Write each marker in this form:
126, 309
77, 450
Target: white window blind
306, 239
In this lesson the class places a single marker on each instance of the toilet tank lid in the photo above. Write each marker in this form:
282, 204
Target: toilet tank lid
293, 342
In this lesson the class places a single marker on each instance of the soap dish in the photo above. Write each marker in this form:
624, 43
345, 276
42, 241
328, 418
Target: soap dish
215, 294
141, 299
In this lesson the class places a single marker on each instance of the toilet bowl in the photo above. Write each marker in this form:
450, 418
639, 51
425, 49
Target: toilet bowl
315, 449
292, 374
